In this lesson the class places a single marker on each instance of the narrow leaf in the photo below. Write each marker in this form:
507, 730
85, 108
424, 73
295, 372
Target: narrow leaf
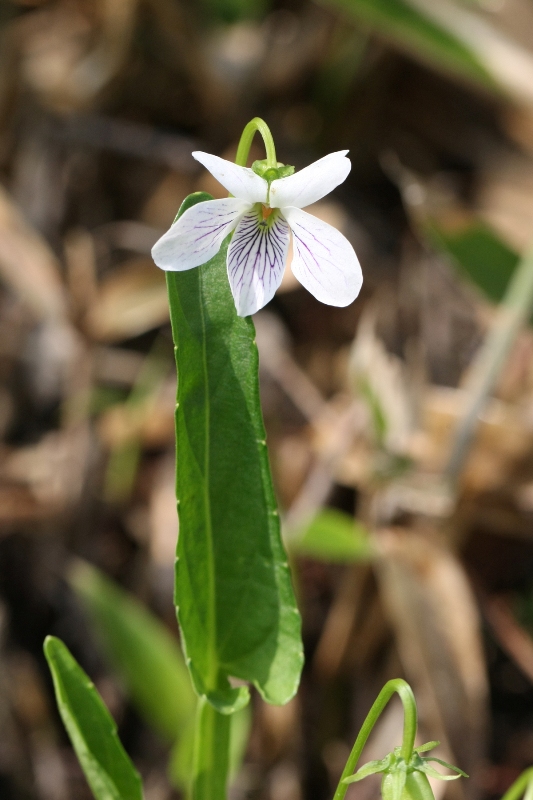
234, 597
415, 32
91, 728
139, 647
477, 252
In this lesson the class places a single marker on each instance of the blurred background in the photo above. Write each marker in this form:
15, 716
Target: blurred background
400, 428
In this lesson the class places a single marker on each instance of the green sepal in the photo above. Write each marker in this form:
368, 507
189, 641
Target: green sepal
427, 746
406, 780
434, 774
372, 768
269, 173
460, 773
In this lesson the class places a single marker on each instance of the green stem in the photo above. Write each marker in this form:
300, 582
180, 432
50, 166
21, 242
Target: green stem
409, 728
256, 125
211, 753
517, 789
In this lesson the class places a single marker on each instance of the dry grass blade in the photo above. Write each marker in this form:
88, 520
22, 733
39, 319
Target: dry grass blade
512, 314
28, 265
508, 63
437, 629
129, 302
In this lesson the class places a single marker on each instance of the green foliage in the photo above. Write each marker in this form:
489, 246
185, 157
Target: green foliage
235, 10
91, 729
333, 536
234, 598
478, 253
145, 655
413, 31
181, 759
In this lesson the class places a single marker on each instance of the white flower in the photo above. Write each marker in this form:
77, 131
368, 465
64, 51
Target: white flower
262, 215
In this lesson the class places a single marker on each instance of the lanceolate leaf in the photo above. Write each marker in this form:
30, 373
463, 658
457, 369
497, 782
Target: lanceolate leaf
477, 251
91, 728
234, 598
144, 653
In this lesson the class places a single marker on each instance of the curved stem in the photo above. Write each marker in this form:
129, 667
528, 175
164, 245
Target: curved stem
409, 728
256, 125
517, 789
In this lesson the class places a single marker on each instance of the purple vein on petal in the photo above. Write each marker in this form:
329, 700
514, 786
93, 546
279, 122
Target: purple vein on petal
256, 259
197, 236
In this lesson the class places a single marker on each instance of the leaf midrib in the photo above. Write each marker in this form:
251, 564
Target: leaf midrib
211, 615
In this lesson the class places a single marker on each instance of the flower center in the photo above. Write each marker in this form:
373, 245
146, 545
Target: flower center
266, 216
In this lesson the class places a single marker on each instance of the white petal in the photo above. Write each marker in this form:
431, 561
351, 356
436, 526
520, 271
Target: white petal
312, 183
242, 182
324, 261
256, 260
198, 234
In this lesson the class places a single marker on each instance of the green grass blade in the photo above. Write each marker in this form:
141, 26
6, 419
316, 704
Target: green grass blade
413, 31
234, 597
142, 651
477, 252
91, 728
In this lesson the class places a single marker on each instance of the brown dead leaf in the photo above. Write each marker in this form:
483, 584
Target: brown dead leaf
28, 265
131, 301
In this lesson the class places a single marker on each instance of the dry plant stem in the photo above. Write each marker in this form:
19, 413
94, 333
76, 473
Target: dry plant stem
517, 789
409, 728
513, 312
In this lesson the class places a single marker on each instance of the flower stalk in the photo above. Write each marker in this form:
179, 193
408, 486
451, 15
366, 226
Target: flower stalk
410, 722
405, 770
256, 125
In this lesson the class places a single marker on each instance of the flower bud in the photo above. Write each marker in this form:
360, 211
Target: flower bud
416, 787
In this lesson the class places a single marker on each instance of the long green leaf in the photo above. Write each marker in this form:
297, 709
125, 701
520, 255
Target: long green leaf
234, 597
91, 728
477, 252
421, 36
141, 649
